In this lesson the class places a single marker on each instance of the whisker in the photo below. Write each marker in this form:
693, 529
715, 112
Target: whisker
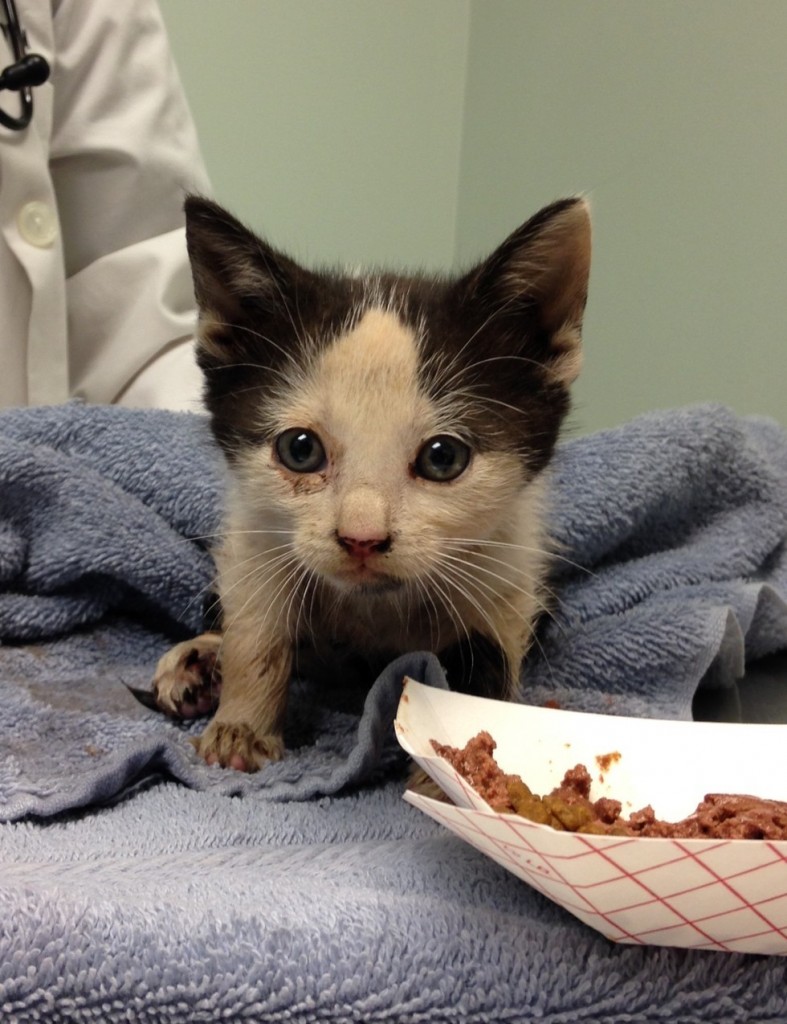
314, 582
299, 590
539, 604
282, 563
432, 612
461, 586
482, 327
263, 337
534, 578
262, 563
221, 534
527, 549
528, 622
451, 611
295, 569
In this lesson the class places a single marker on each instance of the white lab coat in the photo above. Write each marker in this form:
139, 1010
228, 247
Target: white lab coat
95, 290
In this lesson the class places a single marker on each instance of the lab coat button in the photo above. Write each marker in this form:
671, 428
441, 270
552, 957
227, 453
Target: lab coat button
37, 224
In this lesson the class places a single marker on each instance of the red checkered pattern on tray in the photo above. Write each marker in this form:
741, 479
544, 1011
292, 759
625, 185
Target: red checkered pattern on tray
690, 893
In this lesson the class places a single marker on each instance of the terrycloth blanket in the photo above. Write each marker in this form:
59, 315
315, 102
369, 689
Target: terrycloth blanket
672, 570
320, 895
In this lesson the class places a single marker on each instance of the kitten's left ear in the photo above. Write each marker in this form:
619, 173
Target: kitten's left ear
245, 289
542, 271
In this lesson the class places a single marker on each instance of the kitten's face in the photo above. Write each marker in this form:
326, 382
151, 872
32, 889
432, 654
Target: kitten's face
385, 425
380, 483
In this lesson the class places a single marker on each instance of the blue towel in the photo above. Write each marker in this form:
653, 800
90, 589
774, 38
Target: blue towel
163, 901
672, 571
673, 528
103, 509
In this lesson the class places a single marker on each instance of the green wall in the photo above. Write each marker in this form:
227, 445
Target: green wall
420, 132
332, 126
672, 117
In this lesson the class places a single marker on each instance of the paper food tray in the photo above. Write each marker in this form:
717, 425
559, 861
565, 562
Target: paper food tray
719, 894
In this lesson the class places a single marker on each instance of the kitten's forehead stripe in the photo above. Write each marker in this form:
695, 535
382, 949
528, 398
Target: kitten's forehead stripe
379, 349
363, 394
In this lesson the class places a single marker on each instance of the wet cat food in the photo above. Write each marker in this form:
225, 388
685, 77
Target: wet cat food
569, 807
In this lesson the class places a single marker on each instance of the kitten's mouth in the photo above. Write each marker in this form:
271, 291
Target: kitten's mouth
366, 580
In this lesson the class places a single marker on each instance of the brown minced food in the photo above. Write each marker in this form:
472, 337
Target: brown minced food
569, 807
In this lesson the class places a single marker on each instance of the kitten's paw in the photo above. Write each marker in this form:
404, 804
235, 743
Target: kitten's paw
187, 681
237, 746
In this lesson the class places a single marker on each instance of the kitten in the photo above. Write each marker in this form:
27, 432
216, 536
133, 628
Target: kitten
387, 438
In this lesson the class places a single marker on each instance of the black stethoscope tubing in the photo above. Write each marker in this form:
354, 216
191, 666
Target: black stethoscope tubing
28, 69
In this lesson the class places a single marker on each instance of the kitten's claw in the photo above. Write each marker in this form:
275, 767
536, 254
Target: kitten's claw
238, 747
187, 681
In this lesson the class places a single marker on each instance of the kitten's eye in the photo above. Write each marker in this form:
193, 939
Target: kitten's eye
300, 450
442, 458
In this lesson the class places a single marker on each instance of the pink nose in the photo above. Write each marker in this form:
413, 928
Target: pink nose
358, 547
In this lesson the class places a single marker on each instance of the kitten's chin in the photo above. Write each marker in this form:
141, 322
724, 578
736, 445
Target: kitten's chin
365, 581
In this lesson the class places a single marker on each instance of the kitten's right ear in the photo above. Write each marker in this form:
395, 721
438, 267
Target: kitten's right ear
540, 275
239, 281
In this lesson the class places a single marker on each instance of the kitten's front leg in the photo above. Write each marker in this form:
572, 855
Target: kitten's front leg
247, 728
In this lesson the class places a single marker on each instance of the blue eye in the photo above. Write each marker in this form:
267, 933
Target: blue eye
442, 458
300, 450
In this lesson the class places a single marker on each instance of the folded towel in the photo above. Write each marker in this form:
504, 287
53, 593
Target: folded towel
672, 571
103, 509
673, 529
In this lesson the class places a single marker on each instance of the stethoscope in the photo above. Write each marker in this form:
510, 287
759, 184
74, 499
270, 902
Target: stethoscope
28, 69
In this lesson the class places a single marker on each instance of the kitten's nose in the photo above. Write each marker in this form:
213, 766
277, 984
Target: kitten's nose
362, 547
